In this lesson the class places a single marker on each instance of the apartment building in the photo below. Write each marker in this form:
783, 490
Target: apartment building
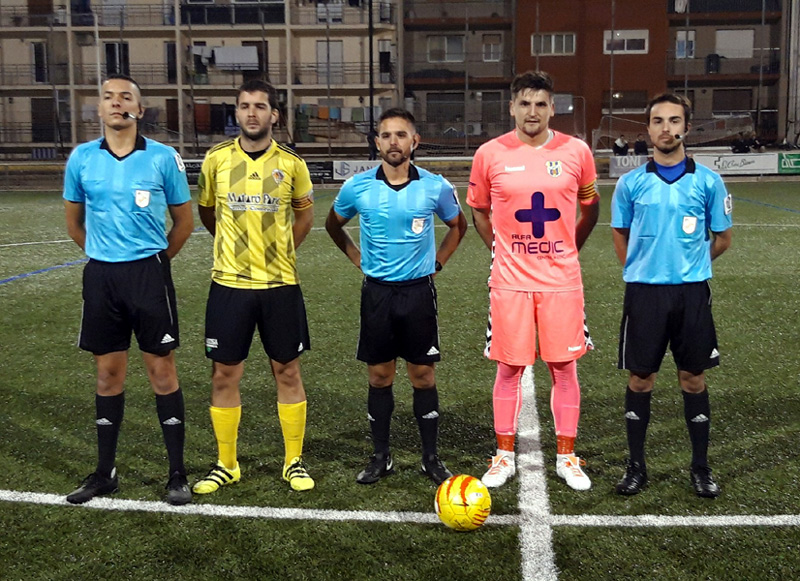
608, 57
190, 56
458, 63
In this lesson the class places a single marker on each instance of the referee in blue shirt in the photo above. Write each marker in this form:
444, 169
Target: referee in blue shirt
396, 203
670, 218
117, 191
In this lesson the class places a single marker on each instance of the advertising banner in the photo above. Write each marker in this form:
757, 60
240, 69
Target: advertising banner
343, 170
740, 163
622, 164
789, 163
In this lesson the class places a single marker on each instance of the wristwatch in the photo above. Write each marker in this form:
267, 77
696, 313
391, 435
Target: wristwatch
438, 266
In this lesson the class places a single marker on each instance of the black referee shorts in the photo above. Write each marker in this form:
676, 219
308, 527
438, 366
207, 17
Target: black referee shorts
655, 315
232, 315
399, 319
124, 297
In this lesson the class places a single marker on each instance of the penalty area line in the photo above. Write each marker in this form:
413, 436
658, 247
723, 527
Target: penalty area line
265, 512
229, 511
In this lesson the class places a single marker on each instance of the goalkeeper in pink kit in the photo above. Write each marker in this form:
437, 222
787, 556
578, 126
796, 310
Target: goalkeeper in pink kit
525, 191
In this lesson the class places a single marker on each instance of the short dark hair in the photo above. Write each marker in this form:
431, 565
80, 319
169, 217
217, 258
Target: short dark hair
257, 85
535, 80
121, 77
673, 98
398, 113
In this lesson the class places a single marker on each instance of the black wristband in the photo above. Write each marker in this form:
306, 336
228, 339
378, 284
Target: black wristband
438, 266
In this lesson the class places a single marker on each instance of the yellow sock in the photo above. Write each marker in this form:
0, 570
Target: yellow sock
293, 425
226, 430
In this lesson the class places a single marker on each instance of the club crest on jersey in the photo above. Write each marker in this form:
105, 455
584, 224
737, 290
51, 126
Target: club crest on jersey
142, 198
417, 225
278, 176
554, 168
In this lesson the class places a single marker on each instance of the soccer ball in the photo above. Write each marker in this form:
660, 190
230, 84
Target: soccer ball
463, 502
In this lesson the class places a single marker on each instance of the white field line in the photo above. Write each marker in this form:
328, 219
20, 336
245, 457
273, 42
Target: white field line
265, 512
355, 227
535, 532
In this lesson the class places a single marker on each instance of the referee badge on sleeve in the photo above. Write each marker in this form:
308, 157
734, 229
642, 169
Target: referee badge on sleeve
689, 224
142, 198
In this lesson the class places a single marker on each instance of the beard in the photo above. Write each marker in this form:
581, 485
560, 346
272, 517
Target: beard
255, 134
668, 150
393, 159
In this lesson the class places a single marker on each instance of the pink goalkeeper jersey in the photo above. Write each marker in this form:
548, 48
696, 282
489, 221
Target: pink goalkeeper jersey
533, 195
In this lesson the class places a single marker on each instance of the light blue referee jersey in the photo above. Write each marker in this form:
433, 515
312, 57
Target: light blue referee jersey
397, 236
125, 199
670, 223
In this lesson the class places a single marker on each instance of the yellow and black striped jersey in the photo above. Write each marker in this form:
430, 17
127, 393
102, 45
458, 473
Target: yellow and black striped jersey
254, 202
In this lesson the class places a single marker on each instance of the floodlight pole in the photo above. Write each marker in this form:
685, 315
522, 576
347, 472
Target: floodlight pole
371, 29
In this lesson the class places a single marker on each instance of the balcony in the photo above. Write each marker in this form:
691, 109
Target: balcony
426, 15
340, 74
335, 14
230, 14
709, 6
427, 75
19, 133
763, 66
33, 76
19, 17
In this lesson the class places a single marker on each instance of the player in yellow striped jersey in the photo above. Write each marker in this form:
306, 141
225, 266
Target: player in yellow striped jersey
256, 200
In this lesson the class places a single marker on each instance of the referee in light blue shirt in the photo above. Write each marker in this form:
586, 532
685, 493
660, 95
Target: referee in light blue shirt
396, 203
670, 218
117, 191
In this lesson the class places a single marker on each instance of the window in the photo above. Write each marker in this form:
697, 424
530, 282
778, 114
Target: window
445, 107
735, 44
684, 44
492, 48
40, 62
557, 43
446, 49
117, 61
626, 41
626, 101
727, 101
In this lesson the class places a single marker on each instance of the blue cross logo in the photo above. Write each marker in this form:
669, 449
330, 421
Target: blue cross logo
538, 215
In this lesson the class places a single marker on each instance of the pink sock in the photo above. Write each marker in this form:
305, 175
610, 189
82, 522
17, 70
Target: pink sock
507, 397
565, 397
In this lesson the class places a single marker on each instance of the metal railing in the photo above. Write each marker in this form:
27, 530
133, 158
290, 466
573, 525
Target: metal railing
426, 10
704, 6
214, 77
25, 132
767, 60
383, 12
339, 74
218, 14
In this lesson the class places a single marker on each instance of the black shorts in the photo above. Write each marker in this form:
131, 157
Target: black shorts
124, 297
399, 319
232, 315
654, 316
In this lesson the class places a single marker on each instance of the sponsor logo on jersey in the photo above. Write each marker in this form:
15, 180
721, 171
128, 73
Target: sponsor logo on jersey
254, 176
515, 168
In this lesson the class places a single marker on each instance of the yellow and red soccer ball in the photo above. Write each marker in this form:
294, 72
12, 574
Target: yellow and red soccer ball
463, 502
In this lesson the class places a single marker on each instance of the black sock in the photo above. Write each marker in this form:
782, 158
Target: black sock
171, 417
697, 411
637, 417
380, 405
109, 411
426, 410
